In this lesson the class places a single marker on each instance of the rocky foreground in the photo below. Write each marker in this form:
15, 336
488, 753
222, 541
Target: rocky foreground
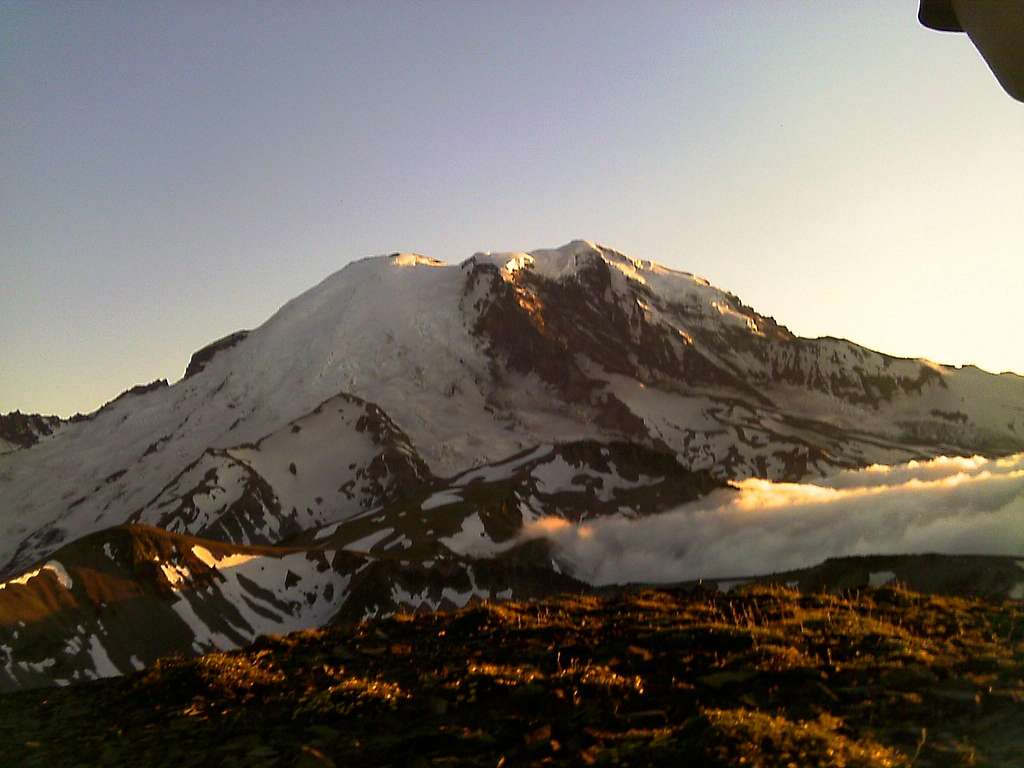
761, 676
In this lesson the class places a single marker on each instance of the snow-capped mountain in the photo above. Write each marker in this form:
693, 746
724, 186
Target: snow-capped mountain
418, 412
400, 367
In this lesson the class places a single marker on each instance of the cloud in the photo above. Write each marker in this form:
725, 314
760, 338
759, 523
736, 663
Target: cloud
949, 505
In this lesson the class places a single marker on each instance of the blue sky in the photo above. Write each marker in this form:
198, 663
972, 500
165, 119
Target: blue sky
171, 172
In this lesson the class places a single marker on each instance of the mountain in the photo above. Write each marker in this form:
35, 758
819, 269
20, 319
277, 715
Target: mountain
444, 367
409, 411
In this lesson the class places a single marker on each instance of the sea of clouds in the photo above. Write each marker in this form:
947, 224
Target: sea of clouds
948, 505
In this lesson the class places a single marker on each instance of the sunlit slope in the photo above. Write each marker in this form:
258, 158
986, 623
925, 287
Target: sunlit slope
466, 364
876, 678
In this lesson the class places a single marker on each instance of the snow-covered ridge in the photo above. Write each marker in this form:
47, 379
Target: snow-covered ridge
567, 261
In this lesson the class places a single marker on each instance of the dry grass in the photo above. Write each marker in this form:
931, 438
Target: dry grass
762, 677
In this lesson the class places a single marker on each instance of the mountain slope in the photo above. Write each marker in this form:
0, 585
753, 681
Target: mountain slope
344, 457
118, 599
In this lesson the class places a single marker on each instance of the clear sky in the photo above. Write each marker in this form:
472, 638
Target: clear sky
171, 172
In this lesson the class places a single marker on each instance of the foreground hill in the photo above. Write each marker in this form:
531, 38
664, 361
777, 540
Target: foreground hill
400, 370
762, 677
118, 600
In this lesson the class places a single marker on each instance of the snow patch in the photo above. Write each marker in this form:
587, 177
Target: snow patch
472, 539
60, 572
101, 662
367, 543
414, 260
227, 561
502, 471
323, 533
440, 499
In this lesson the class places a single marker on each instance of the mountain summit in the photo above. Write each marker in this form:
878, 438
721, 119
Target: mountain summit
380, 443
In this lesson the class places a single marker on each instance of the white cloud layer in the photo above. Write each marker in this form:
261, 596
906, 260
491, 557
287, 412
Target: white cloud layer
948, 505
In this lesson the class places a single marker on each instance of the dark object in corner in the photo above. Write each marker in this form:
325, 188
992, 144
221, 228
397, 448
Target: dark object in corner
995, 27
939, 15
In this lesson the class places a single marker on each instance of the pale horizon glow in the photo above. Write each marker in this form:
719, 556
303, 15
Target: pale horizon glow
176, 172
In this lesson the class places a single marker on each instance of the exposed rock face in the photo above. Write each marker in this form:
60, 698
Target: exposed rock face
736, 392
200, 358
23, 430
533, 336
628, 328
481, 512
